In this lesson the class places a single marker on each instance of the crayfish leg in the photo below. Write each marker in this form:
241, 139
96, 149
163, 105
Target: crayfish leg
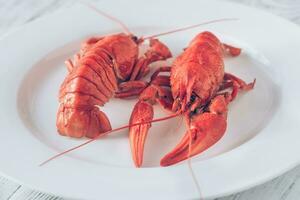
233, 51
69, 64
157, 51
130, 89
165, 98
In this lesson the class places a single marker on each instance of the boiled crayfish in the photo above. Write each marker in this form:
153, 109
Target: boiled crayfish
196, 87
105, 67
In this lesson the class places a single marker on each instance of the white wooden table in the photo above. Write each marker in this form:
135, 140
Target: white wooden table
14, 13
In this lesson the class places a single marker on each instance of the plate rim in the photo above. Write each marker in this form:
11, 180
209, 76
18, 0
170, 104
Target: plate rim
262, 179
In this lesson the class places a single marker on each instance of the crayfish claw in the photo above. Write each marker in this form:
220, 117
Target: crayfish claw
205, 130
142, 112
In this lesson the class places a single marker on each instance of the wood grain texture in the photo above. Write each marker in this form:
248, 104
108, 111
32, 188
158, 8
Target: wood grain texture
7, 188
14, 13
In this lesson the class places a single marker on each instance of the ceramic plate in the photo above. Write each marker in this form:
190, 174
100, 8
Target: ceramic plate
261, 142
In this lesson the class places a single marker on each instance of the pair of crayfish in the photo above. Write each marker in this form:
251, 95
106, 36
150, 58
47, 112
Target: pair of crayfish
196, 86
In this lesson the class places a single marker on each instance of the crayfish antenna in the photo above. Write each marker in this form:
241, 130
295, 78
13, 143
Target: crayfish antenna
189, 163
105, 133
189, 27
112, 18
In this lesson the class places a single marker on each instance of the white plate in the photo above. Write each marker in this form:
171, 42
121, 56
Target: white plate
261, 142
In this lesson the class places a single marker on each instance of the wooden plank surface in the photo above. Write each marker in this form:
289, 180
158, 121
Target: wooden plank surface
14, 13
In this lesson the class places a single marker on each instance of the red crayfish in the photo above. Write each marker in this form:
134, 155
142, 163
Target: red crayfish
196, 87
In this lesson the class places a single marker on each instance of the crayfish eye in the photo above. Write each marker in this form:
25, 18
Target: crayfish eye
193, 98
134, 38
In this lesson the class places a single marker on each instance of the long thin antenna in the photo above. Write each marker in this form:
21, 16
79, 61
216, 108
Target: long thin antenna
119, 22
190, 27
105, 133
189, 163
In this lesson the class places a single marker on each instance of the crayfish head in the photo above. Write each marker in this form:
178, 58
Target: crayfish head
183, 81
